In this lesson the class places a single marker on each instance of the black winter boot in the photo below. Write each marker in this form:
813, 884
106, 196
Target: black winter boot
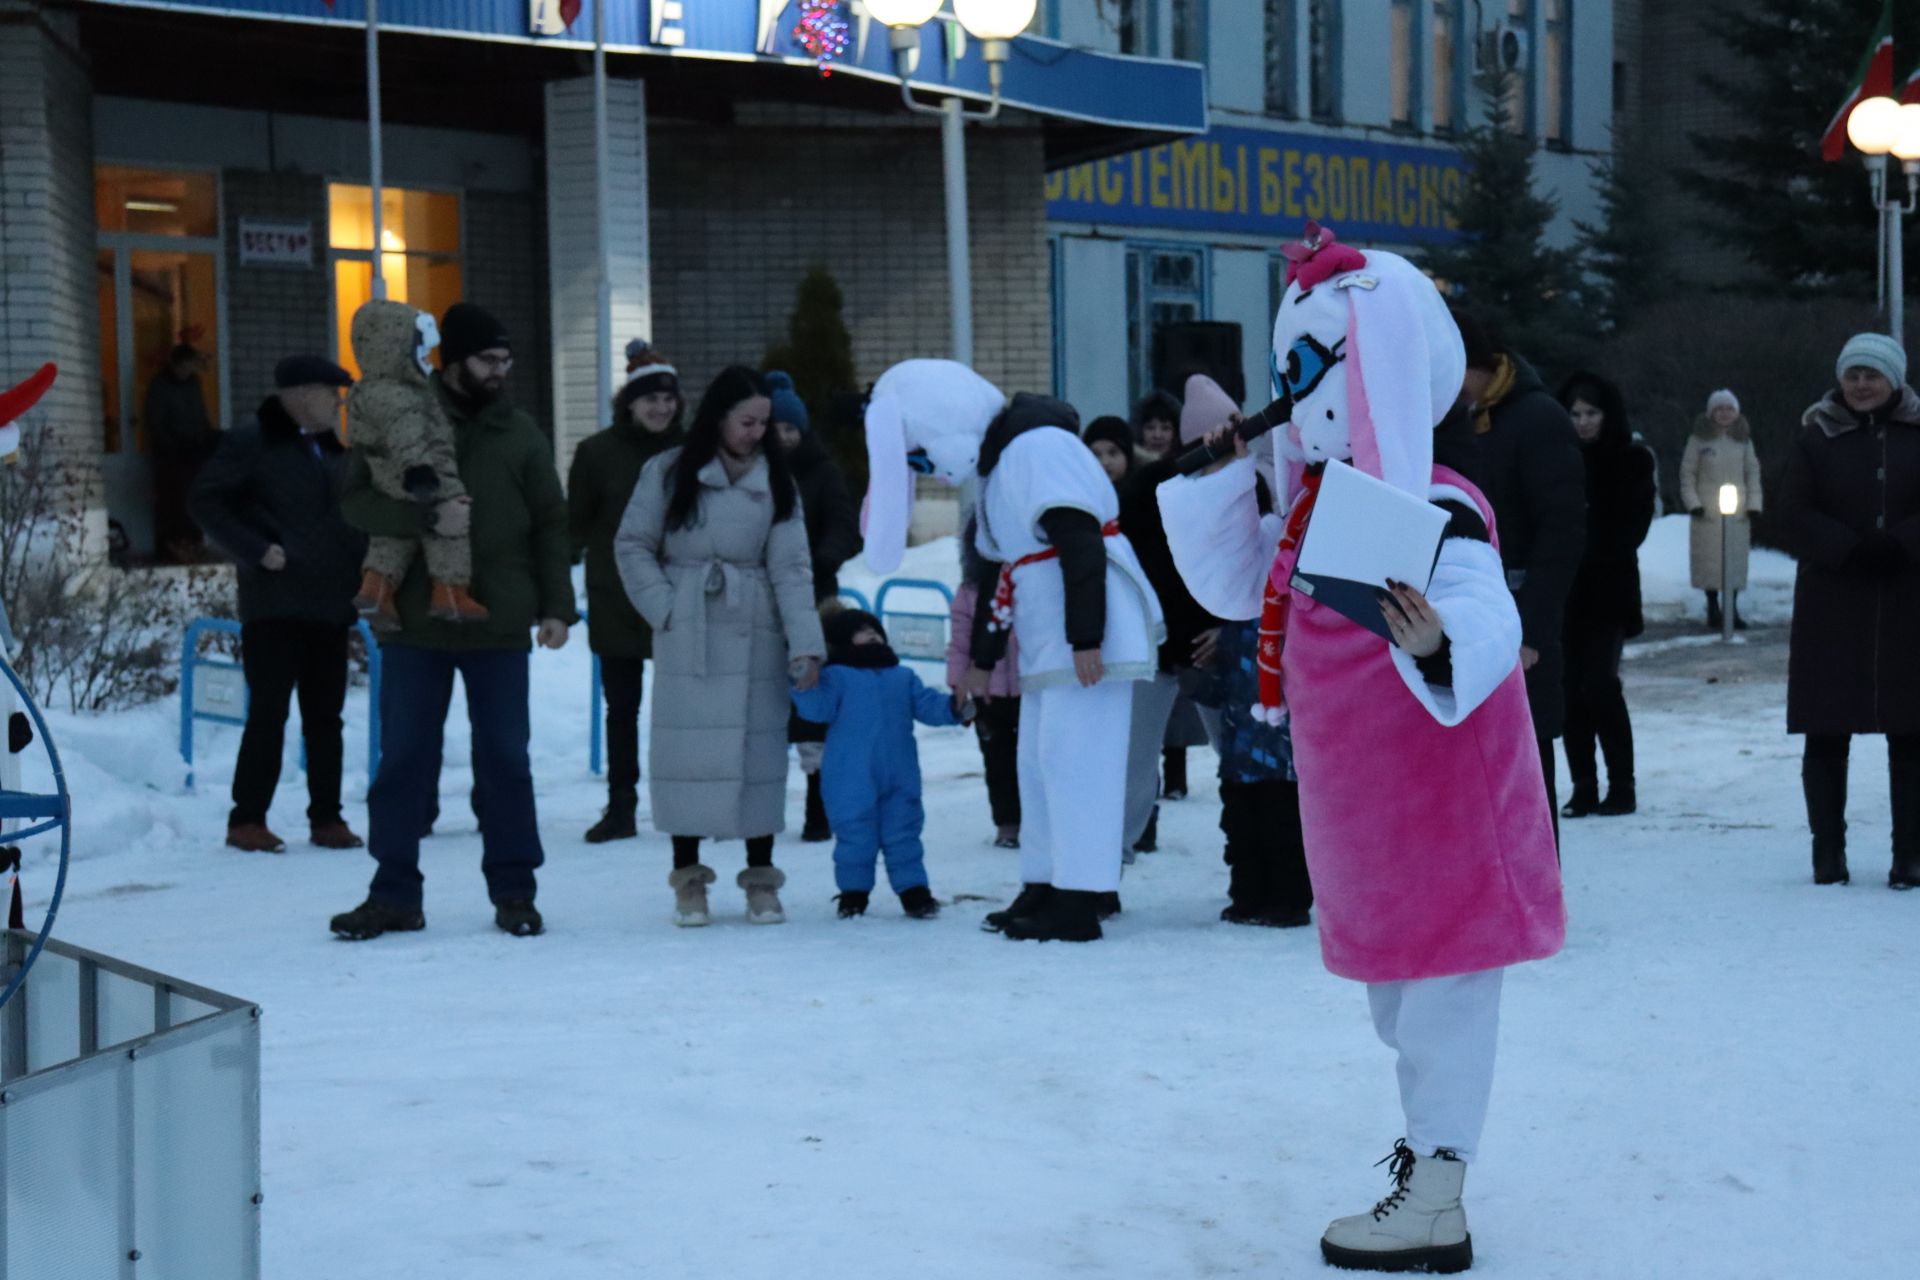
852, 902
1903, 776
1070, 915
617, 823
1585, 799
1713, 611
1108, 904
1173, 773
519, 919
1620, 801
1825, 782
371, 919
1031, 899
918, 902
817, 828
1149, 841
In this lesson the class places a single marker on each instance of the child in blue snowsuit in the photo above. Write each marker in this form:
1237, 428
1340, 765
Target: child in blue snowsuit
871, 771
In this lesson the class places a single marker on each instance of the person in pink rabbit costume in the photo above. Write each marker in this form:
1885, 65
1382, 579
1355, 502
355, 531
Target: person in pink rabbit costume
1428, 837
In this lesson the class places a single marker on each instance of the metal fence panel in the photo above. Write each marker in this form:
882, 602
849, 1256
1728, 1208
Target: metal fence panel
195, 1168
53, 1032
63, 1200
126, 1010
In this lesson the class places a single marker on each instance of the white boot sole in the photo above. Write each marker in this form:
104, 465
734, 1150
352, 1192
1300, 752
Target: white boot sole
777, 917
692, 921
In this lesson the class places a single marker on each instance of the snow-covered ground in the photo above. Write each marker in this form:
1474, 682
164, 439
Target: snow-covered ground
1714, 1080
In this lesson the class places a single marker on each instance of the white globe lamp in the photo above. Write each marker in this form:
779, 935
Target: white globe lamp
995, 19
1873, 126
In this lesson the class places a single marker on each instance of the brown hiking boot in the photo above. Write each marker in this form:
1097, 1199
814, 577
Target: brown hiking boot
253, 837
452, 603
374, 601
335, 835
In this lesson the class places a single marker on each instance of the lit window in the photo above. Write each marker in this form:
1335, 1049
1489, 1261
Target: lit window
1280, 60
420, 258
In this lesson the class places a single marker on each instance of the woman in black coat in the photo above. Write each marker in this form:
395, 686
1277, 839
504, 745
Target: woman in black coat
1603, 609
1850, 510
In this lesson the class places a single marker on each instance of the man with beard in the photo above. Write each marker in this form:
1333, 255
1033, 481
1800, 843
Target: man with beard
520, 573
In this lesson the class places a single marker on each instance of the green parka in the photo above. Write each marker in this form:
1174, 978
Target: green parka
600, 483
519, 531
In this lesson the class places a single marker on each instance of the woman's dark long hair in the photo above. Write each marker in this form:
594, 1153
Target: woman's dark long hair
1615, 432
729, 388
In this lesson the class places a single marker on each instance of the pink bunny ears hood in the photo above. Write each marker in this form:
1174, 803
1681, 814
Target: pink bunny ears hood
1405, 362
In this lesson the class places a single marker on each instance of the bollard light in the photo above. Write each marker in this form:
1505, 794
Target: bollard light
1729, 499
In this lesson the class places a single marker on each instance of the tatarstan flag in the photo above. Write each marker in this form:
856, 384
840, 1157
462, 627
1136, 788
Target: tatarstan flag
1874, 79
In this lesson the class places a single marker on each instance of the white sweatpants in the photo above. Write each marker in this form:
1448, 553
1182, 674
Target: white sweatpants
1152, 706
1073, 784
1445, 1031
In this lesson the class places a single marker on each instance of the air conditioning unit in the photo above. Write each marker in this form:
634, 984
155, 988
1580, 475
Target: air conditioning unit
1505, 48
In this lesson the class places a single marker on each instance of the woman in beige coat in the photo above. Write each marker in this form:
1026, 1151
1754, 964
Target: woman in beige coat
1720, 452
713, 552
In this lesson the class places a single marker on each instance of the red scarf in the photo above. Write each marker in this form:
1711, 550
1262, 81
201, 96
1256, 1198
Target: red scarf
1002, 605
1274, 604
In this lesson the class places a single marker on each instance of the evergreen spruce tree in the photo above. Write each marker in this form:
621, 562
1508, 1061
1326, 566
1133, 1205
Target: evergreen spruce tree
1523, 289
818, 351
1626, 251
1804, 223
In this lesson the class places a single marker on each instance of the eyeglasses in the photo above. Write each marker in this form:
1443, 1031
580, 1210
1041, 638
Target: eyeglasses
498, 363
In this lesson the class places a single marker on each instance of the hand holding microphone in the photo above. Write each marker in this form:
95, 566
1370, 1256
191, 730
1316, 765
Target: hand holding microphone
1230, 441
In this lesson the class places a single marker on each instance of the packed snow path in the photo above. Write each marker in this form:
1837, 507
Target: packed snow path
1714, 1080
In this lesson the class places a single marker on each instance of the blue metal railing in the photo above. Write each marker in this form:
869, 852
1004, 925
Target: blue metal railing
915, 635
193, 663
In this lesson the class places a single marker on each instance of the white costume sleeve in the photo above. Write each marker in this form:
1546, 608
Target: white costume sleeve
1220, 545
1482, 625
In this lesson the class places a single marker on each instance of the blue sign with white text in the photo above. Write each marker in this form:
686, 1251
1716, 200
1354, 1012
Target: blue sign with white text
1266, 183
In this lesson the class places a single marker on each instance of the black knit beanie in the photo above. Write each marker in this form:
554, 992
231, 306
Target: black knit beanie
467, 330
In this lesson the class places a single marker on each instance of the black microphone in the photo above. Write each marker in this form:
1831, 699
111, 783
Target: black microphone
1202, 456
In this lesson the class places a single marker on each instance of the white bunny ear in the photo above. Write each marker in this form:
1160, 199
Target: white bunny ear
1406, 351
889, 505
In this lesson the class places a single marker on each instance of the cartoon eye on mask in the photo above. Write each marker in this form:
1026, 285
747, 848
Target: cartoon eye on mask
919, 463
1307, 365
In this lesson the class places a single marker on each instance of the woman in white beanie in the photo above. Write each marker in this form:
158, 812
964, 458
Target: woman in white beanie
1850, 510
1720, 452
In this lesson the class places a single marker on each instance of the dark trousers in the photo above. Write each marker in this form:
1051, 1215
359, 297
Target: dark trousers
1597, 709
998, 729
620, 683
1266, 853
280, 655
415, 691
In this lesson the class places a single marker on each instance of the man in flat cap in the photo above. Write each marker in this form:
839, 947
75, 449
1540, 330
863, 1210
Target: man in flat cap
270, 499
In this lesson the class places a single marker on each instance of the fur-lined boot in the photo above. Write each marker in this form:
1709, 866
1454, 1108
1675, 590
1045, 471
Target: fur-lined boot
763, 886
689, 886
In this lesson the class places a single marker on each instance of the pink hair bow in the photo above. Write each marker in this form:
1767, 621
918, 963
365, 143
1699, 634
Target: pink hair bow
1317, 257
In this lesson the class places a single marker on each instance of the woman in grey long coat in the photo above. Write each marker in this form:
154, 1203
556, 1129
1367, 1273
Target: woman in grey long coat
713, 552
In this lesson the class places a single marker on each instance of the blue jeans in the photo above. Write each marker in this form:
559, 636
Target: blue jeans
415, 692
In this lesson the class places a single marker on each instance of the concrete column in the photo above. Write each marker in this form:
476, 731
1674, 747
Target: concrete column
580, 405
48, 307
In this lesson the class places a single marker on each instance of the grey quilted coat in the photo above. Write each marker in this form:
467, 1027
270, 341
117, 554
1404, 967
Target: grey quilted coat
730, 601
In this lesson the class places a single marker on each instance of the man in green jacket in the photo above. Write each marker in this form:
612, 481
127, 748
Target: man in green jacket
517, 523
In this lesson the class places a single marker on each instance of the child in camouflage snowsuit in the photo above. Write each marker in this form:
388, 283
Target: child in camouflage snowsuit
395, 420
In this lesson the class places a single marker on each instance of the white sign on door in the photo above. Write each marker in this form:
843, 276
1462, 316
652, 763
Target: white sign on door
276, 244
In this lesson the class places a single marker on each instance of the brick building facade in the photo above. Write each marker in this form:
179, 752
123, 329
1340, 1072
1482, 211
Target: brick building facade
175, 173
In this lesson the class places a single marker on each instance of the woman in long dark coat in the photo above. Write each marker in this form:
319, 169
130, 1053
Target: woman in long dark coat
1850, 506
606, 466
1603, 609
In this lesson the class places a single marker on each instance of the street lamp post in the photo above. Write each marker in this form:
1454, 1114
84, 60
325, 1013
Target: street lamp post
1880, 127
1729, 508
994, 23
